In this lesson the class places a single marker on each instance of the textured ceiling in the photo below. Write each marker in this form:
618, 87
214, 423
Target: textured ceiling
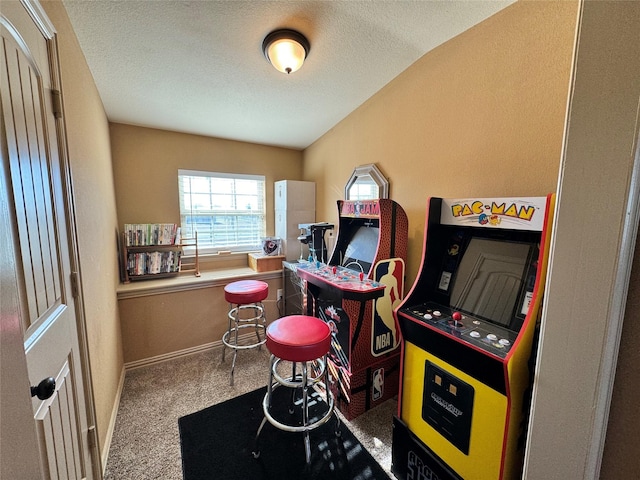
197, 66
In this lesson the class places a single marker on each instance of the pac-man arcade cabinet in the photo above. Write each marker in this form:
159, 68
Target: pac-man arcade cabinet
356, 294
468, 327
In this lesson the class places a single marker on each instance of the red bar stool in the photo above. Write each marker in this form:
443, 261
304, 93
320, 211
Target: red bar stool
246, 310
299, 339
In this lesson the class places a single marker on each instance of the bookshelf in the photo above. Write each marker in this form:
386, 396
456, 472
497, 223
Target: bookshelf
155, 250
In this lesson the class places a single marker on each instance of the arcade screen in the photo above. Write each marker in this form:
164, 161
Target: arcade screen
361, 250
492, 279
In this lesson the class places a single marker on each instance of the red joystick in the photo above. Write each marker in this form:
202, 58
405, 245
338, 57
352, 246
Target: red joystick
334, 269
361, 276
457, 316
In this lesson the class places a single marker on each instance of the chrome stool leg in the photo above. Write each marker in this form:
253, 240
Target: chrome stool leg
258, 327
293, 390
224, 344
236, 323
272, 365
305, 413
294, 382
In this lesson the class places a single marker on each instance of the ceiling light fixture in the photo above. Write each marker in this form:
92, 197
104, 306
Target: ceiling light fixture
286, 50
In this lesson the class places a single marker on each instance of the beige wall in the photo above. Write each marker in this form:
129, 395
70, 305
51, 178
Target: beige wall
158, 325
481, 115
144, 157
183, 321
90, 159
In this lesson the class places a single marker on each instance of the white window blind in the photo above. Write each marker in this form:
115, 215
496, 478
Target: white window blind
227, 210
363, 190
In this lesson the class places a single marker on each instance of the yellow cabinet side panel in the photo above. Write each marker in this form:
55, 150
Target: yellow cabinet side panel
487, 424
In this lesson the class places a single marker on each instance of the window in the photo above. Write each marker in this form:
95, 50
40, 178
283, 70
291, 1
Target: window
227, 211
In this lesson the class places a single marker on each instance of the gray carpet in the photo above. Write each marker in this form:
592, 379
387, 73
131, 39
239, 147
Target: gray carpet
146, 442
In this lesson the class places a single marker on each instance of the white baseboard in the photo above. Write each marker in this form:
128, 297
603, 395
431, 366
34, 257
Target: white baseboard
112, 423
170, 356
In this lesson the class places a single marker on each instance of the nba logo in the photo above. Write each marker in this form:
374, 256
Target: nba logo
384, 334
378, 384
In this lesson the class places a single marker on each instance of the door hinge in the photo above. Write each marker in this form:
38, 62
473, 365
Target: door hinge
56, 98
74, 284
91, 437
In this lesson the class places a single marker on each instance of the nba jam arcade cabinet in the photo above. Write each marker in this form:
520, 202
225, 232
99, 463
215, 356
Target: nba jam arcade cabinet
355, 293
468, 327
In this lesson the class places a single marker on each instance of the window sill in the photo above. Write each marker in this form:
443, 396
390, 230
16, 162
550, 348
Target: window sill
210, 261
188, 281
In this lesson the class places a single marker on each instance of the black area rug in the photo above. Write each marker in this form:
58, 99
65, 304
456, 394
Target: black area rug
217, 443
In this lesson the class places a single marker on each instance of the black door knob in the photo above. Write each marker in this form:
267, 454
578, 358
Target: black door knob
44, 389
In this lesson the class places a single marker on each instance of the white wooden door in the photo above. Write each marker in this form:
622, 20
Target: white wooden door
37, 201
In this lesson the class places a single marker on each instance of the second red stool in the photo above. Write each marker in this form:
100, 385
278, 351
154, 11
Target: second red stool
246, 310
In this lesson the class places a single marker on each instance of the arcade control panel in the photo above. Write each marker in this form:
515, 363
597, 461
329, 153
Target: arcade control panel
479, 333
343, 278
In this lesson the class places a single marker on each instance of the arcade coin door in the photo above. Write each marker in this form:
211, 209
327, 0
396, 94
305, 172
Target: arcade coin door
356, 294
468, 327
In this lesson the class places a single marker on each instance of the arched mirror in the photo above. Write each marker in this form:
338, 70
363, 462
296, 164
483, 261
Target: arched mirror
366, 183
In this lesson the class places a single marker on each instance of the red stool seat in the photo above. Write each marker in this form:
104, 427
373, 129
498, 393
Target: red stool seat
244, 292
298, 338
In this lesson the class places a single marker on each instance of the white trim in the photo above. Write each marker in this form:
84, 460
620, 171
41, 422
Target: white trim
614, 331
202, 173
232, 240
104, 455
145, 362
40, 18
217, 278
372, 171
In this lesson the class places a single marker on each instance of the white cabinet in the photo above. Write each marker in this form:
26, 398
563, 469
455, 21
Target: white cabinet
295, 203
